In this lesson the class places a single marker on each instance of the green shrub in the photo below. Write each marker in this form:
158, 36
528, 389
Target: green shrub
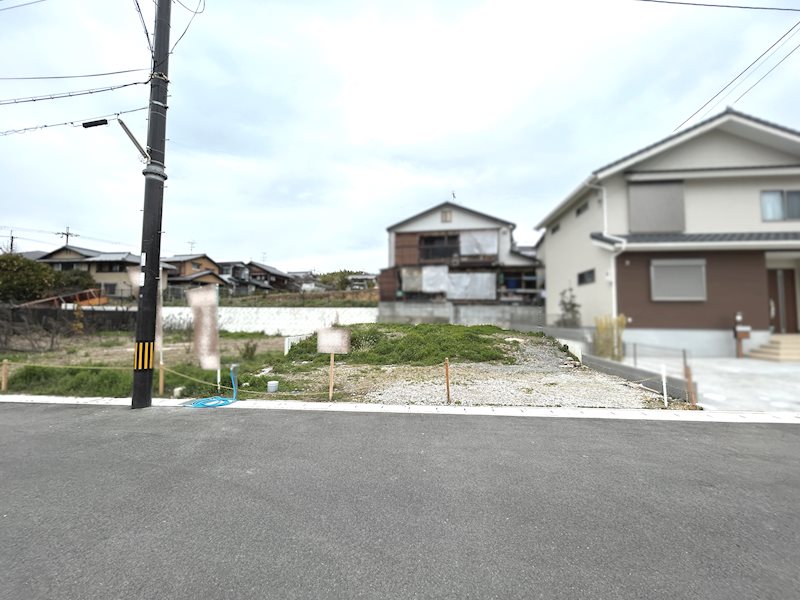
424, 344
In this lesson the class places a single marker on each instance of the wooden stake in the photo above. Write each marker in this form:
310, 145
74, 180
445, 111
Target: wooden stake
690, 386
161, 379
447, 377
4, 377
330, 386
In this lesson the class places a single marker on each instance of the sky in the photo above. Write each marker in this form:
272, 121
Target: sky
298, 131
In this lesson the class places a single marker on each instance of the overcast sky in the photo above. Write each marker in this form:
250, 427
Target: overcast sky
299, 130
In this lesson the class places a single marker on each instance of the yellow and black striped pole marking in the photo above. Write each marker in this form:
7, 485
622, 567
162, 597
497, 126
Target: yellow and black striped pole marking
143, 356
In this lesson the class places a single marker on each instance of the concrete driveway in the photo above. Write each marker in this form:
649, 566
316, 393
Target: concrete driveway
740, 384
747, 384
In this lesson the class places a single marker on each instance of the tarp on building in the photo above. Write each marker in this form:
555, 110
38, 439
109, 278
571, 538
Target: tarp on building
472, 286
434, 279
411, 279
473, 243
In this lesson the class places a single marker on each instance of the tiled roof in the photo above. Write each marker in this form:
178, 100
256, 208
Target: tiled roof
700, 238
193, 276
682, 132
269, 269
114, 257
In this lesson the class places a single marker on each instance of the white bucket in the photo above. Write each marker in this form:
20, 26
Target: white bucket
272, 386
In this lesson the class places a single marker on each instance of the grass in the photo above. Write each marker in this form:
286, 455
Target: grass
419, 345
371, 344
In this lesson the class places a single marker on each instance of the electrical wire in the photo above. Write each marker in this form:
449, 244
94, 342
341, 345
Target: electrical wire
710, 100
144, 25
751, 73
767, 73
195, 12
189, 9
72, 76
21, 5
74, 122
59, 95
705, 5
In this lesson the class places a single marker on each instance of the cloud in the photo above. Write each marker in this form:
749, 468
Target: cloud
302, 130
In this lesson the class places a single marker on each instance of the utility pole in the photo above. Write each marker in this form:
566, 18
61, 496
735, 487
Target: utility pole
155, 176
67, 234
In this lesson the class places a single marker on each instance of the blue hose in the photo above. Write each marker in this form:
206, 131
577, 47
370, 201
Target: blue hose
217, 401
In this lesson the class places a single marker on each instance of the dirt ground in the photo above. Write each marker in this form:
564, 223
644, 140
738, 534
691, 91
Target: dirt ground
543, 375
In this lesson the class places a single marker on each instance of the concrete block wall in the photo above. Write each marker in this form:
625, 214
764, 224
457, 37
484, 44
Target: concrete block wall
521, 318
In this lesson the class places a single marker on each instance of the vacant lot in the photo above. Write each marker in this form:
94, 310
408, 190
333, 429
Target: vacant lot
389, 364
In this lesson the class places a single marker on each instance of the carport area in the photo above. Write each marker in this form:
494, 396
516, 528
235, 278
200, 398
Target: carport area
747, 384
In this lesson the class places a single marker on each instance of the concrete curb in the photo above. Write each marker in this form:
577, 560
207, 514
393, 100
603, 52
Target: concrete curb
699, 416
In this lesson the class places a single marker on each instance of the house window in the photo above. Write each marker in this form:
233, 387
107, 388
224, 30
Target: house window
581, 209
554, 229
586, 277
678, 280
656, 207
447, 216
438, 246
110, 289
196, 266
780, 205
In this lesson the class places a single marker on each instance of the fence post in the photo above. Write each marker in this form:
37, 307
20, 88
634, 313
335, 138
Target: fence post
634, 355
4, 377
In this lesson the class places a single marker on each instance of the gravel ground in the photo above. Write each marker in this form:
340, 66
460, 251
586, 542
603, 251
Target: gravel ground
543, 376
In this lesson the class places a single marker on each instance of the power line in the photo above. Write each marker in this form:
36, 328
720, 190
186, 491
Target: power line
768, 72
751, 73
72, 76
21, 5
144, 25
705, 5
197, 12
74, 122
710, 100
59, 95
194, 12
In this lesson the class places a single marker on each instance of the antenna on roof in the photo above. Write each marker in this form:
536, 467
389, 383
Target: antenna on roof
454, 194
191, 246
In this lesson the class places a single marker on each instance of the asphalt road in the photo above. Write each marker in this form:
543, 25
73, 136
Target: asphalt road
105, 502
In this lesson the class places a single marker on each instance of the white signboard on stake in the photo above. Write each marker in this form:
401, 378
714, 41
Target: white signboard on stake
333, 341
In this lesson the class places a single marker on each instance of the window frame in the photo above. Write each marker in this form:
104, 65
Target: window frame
439, 251
678, 262
589, 277
784, 205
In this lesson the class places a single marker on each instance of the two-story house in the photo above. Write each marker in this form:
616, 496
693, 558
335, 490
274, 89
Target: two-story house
192, 270
684, 235
237, 276
453, 254
271, 276
110, 270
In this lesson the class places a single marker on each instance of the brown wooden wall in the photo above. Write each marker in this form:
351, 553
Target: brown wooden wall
406, 248
735, 282
387, 285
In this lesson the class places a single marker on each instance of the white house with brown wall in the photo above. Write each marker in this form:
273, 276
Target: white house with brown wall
685, 234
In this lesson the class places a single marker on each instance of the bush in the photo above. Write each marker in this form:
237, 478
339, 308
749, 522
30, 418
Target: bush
22, 279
